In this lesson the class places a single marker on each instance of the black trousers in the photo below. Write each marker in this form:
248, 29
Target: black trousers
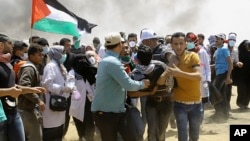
53, 134
86, 128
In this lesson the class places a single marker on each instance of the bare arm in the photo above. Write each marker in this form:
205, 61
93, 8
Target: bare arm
230, 68
13, 91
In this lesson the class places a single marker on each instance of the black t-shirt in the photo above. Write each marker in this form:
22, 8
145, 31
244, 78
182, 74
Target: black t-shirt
7, 80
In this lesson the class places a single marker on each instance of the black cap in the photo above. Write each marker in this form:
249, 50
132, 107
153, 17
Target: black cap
42, 41
19, 45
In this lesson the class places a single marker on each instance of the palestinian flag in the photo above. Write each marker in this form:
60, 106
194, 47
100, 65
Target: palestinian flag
52, 16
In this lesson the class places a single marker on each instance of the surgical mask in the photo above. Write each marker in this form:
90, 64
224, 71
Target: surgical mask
132, 44
190, 45
45, 50
63, 58
25, 56
126, 59
91, 60
231, 43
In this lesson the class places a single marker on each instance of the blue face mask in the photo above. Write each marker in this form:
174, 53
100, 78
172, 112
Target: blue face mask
231, 43
63, 59
190, 45
45, 50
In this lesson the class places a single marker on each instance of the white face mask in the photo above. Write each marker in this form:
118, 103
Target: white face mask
91, 60
231, 43
25, 56
132, 44
45, 50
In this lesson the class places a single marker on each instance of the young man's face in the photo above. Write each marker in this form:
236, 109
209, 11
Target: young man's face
125, 50
179, 45
36, 58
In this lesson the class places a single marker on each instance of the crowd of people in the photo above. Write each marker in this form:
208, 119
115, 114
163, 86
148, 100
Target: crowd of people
118, 88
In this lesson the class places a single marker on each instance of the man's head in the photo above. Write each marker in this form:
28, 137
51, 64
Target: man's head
5, 44
220, 39
35, 54
33, 39
149, 38
96, 41
191, 39
168, 39
178, 43
132, 39
113, 41
144, 55
66, 43
201, 38
232, 39
19, 49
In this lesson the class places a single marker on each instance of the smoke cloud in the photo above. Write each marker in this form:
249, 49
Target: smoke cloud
163, 16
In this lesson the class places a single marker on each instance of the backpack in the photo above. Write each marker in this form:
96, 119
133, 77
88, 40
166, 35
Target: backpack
16, 67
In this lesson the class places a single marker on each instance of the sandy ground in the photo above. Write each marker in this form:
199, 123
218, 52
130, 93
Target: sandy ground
210, 131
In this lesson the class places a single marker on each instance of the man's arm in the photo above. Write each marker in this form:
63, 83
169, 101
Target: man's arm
230, 68
176, 72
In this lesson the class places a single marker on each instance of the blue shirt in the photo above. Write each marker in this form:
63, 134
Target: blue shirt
221, 64
111, 83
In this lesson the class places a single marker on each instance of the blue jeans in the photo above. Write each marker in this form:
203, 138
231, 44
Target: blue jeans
12, 128
188, 114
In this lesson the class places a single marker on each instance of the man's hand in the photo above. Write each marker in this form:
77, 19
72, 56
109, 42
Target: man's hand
175, 71
41, 106
15, 92
239, 64
146, 83
228, 81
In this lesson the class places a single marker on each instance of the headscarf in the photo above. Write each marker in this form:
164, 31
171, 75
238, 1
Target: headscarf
55, 53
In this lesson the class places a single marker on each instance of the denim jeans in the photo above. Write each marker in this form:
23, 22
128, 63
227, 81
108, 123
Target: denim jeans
158, 114
12, 128
188, 114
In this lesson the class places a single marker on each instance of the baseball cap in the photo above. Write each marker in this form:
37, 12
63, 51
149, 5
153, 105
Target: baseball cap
113, 38
4, 37
147, 34
221, 35
232, 37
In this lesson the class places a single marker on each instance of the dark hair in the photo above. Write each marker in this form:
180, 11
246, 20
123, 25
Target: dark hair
34, 48
132, 35
19, 45
202, 36
144, 55
96, 40
42, 42
177, 35
32, 38
63, 41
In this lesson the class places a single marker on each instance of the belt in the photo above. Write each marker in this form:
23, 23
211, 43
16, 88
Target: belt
189, 102
159, 98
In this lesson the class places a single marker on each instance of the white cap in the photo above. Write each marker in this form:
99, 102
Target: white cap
147, 34
232, 37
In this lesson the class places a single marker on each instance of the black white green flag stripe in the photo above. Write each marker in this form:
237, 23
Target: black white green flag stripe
52, 16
